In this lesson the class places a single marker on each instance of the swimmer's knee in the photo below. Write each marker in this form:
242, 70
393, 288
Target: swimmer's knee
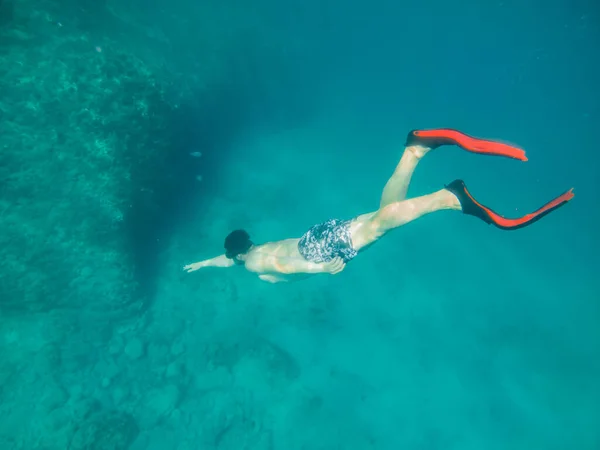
380, 221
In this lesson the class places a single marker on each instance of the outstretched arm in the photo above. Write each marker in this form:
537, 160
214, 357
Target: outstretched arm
217, 261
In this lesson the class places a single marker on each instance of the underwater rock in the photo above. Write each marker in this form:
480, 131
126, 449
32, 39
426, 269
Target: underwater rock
212, 380
86, 137
75, 391
55, 397
157, 354
276, 359
173, 370
158, 403
116, 346
177, 348
105, 431
134, 349
234, 422
118, 395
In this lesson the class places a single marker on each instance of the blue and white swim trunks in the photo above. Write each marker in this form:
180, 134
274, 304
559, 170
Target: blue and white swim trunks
327, 240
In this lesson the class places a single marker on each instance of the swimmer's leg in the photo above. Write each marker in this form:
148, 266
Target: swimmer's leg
472, 207
420, 142
400, 213
397, 186
370, 227
456, 196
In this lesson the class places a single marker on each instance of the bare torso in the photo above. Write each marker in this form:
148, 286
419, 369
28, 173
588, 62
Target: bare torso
268, 260
271, 260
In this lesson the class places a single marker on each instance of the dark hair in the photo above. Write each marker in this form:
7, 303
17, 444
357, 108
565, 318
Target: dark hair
236, 243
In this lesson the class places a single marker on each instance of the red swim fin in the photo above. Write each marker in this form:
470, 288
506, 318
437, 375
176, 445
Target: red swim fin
472, 207
446, 136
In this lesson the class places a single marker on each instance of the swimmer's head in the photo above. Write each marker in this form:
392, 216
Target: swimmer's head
237, 244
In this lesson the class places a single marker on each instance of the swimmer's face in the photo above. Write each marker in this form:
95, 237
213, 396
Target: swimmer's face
240, 258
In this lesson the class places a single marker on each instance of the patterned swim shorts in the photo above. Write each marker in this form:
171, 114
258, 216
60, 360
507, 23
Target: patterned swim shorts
325, 241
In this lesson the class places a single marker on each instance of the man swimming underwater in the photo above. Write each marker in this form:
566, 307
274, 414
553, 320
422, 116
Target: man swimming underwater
327, 247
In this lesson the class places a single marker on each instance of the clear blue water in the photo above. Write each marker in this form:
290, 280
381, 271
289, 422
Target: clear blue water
135, 135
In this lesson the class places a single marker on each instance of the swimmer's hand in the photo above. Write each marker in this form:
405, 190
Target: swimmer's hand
217, 261
336, 265
194, 266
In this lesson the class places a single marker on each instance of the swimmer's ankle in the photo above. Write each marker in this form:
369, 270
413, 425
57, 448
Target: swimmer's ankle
418, 150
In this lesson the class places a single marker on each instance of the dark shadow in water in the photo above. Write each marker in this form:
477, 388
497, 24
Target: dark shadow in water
6, 11
164, 197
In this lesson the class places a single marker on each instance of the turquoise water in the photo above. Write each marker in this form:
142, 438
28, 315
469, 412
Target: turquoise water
135, 135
